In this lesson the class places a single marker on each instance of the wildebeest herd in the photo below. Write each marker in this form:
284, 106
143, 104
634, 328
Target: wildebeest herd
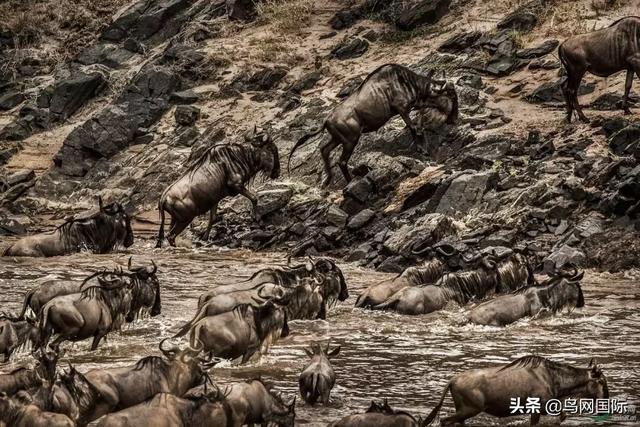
240, 321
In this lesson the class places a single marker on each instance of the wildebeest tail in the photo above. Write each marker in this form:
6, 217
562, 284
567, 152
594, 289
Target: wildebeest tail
161, 214
26, 303
187, 327
44, 325
432, 415
309, 388
301, 142
195, 333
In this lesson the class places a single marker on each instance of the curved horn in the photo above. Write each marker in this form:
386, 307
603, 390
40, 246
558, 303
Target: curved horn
260, 293
471, 258
441, 250
170, 351
420, 247
489, 262
152, 270
100, 203
129, 263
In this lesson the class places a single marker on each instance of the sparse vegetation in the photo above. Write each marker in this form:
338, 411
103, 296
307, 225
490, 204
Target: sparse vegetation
286, 16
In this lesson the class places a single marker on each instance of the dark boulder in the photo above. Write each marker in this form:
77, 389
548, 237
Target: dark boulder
11, 227
536, 52
360, 189
612, 102
552, 92
522, 19
563, 256
270, 201
504, 60
424, 12
186, 115
345, 18
336, 216
133, 45
184, 97
305, 82
460, 41
626, 142
360, 219
265, 79
353, 47
465, 191
241, 10
10, 100
72, 93
108, 54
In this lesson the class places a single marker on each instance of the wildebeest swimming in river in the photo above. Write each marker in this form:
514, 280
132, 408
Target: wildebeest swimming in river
491, 390
15, 334
318, 377
98, 231
389, 90
556, 294
18, 414
379, 415
603, 52
223, 170
253, 402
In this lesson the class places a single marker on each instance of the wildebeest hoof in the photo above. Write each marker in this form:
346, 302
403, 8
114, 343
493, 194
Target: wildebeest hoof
627, 112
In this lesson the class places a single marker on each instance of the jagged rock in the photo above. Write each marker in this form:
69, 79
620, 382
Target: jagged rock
15, 191
20, 177
431, 227
70, 94
612, 102
270, 201
396, 264
626, 141
563, 256
465, 191
241, 10
359, 253
471, 80
133, 45
353, 47
542, 151
186, 137
265, 79
115, 127
30, 119
613, 125
370, 35
11, 227
305, 82
106, 54
504, 60
536, 52
552, 92
360, 189
186, 115
348, 88
520, 20
345, 18
336, 216
184, 97
422, 13
360, 219
460, 41
544, 64
144, 19
10, 100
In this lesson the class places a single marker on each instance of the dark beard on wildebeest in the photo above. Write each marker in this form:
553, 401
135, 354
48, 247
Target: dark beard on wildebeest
98, 231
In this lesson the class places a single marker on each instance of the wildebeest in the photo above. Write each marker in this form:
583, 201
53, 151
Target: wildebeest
491, 390
223, 170
167, 410
97, 231
94, 312
429, 272
388, 91
379, 415
19, 379
17, 414
556, 294
241, 332
253, 402
144, 282
175, 373
15, 333
603, 52
225, 302
318, 377
307, 301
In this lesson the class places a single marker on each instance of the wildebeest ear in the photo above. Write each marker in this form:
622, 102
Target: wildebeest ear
100, 203
334, 352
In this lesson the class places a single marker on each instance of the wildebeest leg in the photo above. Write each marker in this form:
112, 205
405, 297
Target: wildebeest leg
176, 228
459, 417
535, 419
212, 219
568, 100
254, 201
343, 163
410, 125
627, 90
325, 151
96, 341
573, 85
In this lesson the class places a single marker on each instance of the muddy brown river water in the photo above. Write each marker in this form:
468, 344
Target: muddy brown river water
405, 359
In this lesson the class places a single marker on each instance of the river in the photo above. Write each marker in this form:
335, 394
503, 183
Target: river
405, 359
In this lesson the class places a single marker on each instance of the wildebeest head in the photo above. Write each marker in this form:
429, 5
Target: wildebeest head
597, 384
269, 158
146, 287
187, 363
47, 360
281, 413
317, 350
116, 214
271, 318
332, 277
441, 98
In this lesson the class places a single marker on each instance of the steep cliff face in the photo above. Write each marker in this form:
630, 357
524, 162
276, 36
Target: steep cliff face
115, 99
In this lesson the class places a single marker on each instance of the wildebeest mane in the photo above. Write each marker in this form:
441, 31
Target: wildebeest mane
623, 18
94, 237
467, 285
534, 361
512, 274
236, 156
84, 394
425, 274
401, 69
155, 363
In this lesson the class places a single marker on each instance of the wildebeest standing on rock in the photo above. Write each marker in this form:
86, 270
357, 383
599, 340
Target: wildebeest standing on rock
379, 415
98, 231
552, 296
603, 52
490, 390
388, 91
318, 377
223, 170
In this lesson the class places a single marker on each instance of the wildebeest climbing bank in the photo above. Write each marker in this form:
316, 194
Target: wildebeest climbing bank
445, 246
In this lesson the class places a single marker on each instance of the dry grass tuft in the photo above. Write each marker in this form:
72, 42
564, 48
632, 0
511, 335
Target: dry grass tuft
286, 16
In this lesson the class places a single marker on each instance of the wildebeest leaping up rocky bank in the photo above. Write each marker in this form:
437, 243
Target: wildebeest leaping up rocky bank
224, 170
388, 91
98, 231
